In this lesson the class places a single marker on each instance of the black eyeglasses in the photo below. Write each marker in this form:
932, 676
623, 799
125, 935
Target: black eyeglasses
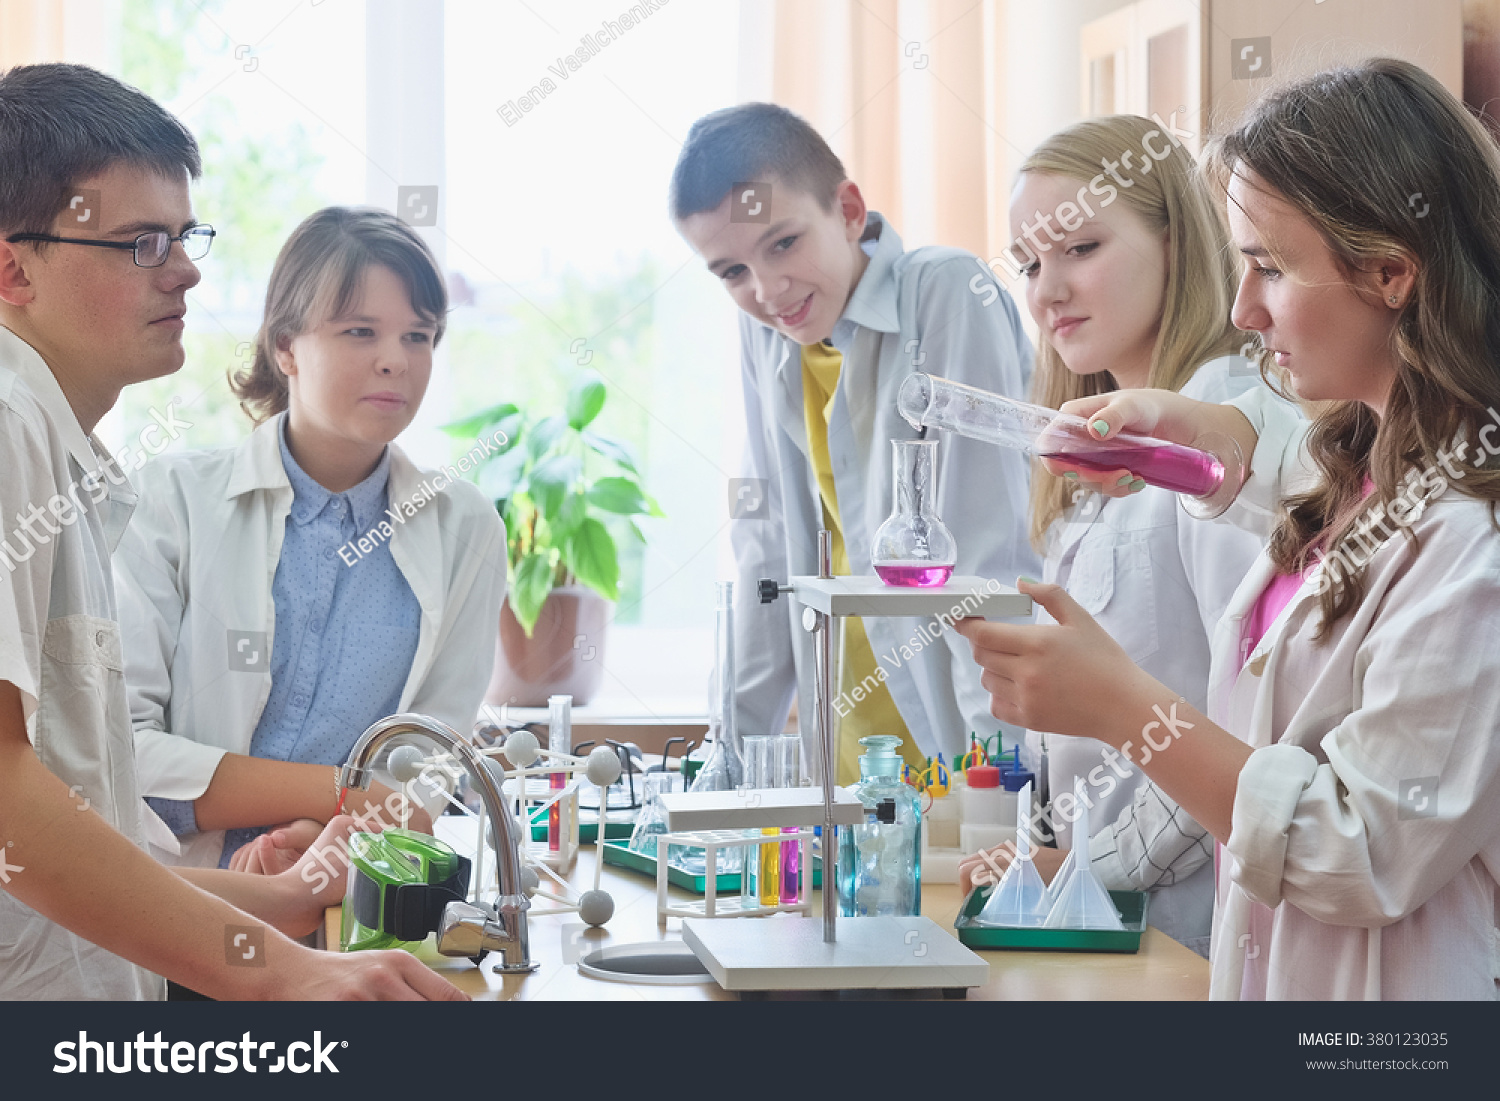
151, 249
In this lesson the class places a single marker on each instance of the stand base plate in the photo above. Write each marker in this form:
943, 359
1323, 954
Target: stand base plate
872, 953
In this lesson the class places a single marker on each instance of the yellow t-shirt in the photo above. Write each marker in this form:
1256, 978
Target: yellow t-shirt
876, 713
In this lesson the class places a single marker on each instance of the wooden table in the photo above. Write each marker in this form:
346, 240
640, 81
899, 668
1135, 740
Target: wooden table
1162, 970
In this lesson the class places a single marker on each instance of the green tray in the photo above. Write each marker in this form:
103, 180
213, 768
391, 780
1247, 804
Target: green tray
1131, 904
587, 831
622, 856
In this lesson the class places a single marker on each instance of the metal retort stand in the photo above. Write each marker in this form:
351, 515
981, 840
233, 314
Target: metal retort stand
859, 953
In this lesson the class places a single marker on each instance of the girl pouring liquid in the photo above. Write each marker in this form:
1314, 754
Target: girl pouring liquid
1347, 763
1135, 294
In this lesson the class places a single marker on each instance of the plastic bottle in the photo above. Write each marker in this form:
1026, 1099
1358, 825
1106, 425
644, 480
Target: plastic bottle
986, 811
880, 862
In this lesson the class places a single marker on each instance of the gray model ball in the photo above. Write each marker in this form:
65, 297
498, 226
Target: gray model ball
522, 748
405, 763
596, 907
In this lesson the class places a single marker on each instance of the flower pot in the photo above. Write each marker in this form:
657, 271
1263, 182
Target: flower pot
564, 655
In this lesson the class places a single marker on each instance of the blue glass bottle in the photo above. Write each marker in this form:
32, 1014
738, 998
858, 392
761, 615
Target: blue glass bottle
880, 862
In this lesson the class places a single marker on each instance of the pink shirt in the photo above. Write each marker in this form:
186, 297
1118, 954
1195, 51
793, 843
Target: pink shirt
1277, 595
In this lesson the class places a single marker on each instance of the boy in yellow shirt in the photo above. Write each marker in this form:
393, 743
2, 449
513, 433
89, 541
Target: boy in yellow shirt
836, 315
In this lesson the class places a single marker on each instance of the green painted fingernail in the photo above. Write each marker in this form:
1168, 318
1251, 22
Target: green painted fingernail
1125, 481
1137, 485
1028, 580
1101, 427
1071, 475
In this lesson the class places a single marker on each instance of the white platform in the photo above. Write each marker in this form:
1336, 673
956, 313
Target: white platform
870, 596
757, 808
872, 953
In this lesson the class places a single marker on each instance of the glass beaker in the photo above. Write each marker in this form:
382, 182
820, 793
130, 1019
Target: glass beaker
913, 547
652, 819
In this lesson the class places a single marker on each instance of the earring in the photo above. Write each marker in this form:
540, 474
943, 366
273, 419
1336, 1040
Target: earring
1394, 299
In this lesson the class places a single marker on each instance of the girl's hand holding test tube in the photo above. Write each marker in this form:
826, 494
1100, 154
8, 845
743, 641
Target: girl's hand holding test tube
1163, 414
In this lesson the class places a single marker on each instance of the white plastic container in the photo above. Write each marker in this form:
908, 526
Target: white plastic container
941, 822
987, 812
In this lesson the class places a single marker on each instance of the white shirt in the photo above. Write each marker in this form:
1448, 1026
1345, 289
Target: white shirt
1157, 581
937, 310
60, 646
1338, 880
199, 562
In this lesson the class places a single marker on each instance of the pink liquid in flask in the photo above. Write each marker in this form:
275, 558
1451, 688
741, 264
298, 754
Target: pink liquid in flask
1169, 465
913, 574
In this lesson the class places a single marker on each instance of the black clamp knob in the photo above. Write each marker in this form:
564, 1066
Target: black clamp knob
768, 589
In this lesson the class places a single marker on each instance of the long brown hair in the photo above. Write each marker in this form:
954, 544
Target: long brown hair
1385, 163
318, 274
1194, 326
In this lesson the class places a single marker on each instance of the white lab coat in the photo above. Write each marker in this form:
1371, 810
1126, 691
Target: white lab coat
1158, 582
198, 562
1338, 881
60, 647
937, 310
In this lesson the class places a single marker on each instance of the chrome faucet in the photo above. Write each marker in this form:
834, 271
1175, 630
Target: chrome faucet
465, 929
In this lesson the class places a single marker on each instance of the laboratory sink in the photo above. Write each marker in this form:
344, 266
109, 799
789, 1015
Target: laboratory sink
658, 962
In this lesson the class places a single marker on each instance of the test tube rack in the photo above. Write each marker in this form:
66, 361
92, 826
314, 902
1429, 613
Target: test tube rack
859, 952
712, 905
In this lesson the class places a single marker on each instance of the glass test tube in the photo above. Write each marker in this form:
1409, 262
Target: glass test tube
925, 400
761, 774
559, 740
789, 775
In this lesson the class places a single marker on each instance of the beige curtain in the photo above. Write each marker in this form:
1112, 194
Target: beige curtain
56, 30
906, 93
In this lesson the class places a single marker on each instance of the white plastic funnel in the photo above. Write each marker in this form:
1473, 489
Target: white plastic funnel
1081, 901
1020, 899
1065, 873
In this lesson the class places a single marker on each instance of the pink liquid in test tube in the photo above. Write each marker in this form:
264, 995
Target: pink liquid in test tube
1169, 466
913, 574
791, 863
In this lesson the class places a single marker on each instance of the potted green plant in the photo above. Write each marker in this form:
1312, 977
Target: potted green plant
560, 487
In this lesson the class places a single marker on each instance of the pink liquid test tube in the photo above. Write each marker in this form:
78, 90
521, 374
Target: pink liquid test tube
1208, 476
1167, 465
789, 775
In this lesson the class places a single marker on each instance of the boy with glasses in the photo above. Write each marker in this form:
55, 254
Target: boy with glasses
84, 912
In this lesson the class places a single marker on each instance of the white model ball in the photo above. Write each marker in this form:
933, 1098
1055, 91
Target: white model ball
530, 881
603, 767
522, 749
496, 770
405, 763
596, 907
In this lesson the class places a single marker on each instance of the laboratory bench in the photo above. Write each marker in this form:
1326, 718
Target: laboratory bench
1162, 970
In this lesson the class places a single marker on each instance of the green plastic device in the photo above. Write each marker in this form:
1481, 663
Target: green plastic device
399, 882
